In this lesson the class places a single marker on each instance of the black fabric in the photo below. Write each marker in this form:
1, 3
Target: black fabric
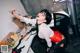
38, 45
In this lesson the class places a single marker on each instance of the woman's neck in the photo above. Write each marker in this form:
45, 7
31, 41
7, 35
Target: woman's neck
41, 22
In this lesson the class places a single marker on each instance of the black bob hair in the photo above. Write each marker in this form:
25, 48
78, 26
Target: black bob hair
47, 14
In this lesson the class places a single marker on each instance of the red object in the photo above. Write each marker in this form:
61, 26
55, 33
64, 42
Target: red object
57, 37
13, 52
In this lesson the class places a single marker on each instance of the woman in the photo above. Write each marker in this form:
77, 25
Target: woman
43, 19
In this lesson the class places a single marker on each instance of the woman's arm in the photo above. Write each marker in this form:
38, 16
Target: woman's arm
46, 32
27, 20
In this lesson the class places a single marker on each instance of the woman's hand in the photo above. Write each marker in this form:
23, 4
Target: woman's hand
15, 14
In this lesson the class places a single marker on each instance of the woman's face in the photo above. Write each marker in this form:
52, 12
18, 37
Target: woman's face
41, 17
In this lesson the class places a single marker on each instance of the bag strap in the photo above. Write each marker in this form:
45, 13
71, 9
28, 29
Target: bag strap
37, 29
